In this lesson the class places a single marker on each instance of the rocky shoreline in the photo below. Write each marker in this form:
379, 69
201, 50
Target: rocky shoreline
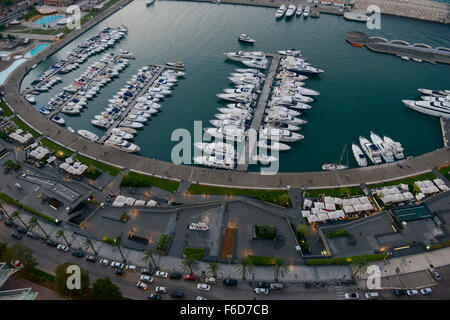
416, 9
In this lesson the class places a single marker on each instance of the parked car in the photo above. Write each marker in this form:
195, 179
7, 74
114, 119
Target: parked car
177, 294
16, 235
91, 259
189, 277
230, 282
263, 285
261, 291
77, 253
200, 298
425, 291
210, 280
203, 286
9, 223
62, 247
131, 268
141, 285
371, 295
435, 274
412, 292
116, 264
147, 271
160, 289
104, 262
398, 292
154, 296
22, 230
351, 296
119, 271
276, 286
52, 243
31, 235
161, 274
175, 275
145, 278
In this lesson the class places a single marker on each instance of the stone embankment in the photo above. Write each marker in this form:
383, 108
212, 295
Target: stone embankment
416, 9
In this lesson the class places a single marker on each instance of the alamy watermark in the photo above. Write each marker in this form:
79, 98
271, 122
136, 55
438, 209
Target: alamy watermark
374, 18
74, 279
74, 17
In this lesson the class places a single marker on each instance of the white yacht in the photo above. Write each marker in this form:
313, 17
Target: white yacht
431, 92
30, 98
227, 133
88, 135
283, 117
57, 119
217, 148
371, 150
281, 125
386, 151
218, 161
359, 155
244, 55
131, 124
44, 110
290, 11
306, 12
118, 142
336, 166
245, 38
433, 108
264, 159
436, 98
299, 11
120, 133
257, 63
397, 148
280, 135
281, 11
272, 145
290, 52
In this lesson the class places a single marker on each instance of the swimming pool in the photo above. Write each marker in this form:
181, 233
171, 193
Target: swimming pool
48, 19
4, 74
36, 50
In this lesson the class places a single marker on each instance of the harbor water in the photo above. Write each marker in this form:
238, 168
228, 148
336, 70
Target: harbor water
360, 91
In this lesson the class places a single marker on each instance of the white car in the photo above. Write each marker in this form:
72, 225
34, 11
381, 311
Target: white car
412, 292
210, 280
116, 264
131, 268
161, 274
200, 298
351, 296
425, 291
203, 286
261, 291
161, 290
142, 285
62, 247
104, 262
146, 279
371, 295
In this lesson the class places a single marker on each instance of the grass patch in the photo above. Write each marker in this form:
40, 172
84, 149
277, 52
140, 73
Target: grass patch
335, 192
6, 110
15, 166
114, 171
133, 179
265, 232
344, 260
92, 173
278, 197
22, 125
194, 253
60, 151
409, 181
262, 260
337, 233
445, 170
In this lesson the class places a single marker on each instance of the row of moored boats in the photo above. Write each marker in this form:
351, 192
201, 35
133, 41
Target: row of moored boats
291, 10
433, 102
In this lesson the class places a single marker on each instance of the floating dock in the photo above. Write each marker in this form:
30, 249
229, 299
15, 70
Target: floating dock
400, 48
244, 160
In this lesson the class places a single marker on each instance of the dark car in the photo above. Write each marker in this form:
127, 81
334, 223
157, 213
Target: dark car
154, 296
77, 253
230, 282
147, 271
91, 259
22, 230
119, 271
263, 285
9, 223
41, 239
52, 243
16, 235
177, 294
398, 292
175, 275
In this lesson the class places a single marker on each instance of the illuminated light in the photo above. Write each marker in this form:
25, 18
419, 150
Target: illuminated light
401, 248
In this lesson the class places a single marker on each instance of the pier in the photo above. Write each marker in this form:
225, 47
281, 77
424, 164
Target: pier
445, 127
244, 159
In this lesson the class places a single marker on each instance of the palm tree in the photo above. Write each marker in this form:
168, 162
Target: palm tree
16, 215
189, 265
117, 246
150, 255
213, 268
245, 267
34, 222
89, 243
281, 268
60, 234
359, 266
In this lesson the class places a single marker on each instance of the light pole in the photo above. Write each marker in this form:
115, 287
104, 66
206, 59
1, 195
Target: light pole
229, 256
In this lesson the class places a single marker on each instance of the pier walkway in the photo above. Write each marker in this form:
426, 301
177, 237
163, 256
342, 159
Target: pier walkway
445, 127
244, 160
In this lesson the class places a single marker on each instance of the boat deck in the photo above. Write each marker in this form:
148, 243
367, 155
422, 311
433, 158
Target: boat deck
243, 161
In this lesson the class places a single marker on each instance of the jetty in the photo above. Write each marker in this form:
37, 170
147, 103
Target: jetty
400, 48
244, 160
445, 127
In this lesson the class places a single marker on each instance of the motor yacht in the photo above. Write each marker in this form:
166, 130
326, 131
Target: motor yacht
131, 124
281, 125
306, 12
120, 133
272, 144
245, 38
30, 98
119, 143
433, 108
386, 150
359, 155
88, 135
371, 150
217, 148
229, 133
218, 161
257, 63
264, 159
290, 11
57, 119
279, 134
43, 110
281, 11
430, 92
244, 55
397, 148
299, 11
283, 109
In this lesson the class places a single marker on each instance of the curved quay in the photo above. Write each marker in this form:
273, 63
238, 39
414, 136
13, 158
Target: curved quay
235, 179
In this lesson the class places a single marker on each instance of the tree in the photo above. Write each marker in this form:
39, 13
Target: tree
89, 243
189, 265
17, 215
359, 266
21, 253
281, 268
60, 234
213, 268
104, 289
35, 223
149, 255
117, 246
245, 267
61, 283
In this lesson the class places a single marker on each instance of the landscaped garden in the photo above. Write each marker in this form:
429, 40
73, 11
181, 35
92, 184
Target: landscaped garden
335, 192
114, 171
194, 253
133, 179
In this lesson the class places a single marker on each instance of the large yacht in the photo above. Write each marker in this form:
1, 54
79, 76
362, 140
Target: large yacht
280, 134
397, 148
227, 133
272, 145
371, 150
433, 108
218, 161
290, 11
217, 148
281, 11
359, 155
244, 55
386, 151
119, 143
88, 135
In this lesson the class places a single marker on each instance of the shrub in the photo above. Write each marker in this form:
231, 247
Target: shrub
337, 233
345, 260
6, 198
265, 232
262, 260
124, 218
13, 165
163, 243
194, 253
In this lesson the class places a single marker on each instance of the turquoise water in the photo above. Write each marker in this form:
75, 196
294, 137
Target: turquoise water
360, 90
5, 73
47, 20
36, 50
